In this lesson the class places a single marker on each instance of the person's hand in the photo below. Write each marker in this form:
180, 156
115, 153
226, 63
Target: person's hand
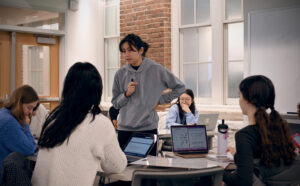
185, 107
27, 119
232, 150
115, 123
190, 124
131, 88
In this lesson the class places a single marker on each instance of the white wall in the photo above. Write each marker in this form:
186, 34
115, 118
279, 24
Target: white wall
254, 5
84, 37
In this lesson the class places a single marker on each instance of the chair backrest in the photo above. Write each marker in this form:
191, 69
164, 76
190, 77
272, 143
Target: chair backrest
15, 172
285, 175
212, 176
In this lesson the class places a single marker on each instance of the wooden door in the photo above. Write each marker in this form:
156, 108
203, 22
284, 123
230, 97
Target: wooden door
21, 40
5, 49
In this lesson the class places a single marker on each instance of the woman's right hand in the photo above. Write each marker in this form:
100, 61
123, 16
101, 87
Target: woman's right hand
185, 107
131, 88
232, 150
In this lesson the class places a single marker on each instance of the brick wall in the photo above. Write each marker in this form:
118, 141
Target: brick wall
151, 20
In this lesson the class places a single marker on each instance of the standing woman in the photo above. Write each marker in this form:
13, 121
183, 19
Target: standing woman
76, 139
15, 116
138, 88
184, 111
267, 137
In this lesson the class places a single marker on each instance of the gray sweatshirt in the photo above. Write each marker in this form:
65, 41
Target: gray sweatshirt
137, 112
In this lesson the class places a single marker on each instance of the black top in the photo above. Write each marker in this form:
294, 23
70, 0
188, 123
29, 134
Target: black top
247, 142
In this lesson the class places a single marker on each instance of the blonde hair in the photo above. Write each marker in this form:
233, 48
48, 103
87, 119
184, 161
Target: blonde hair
23, 94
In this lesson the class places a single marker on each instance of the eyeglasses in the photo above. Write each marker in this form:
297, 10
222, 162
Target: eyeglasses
185, 99
36, 107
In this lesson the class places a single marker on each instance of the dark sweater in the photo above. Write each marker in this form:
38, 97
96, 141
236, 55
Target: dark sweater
247, 142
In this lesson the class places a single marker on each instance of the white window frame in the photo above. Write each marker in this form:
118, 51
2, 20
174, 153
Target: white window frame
106, 37
219, 49
226, 22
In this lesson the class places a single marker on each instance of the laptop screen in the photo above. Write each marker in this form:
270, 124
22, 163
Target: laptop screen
187, 138
139, 144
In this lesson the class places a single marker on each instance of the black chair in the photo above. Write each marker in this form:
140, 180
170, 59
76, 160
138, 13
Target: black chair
16, 170
212, 176
283, 175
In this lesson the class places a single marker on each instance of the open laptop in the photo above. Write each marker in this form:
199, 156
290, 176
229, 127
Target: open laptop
189, 140
139, 146
209, 120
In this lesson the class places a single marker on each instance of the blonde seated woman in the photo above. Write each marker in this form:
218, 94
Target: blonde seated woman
15, 116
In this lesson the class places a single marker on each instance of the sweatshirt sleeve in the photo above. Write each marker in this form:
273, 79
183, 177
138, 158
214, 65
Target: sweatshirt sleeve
191, 118
173, 83
119, 99
19, 139
244, 162
172, 116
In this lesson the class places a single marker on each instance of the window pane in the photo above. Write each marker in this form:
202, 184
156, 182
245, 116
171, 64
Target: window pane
236, 41
111, 74
205, 40
111, 20
187, 12
235, 76
205, 79
233, 9
36, 68
112, 52
110, 2
190, 77
31, 18
202, 11
190, 45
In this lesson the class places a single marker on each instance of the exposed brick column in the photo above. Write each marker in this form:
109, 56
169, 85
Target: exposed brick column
151, 20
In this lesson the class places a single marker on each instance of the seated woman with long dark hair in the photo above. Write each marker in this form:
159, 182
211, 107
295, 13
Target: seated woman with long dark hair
184, 111
266, 138
76, 139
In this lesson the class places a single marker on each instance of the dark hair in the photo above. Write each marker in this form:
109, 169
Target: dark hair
276, 144
81, 94
192, 107
23, 94
136, 42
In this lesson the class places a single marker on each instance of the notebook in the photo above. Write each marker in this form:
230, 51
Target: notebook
189, 140
209, 120
139, 146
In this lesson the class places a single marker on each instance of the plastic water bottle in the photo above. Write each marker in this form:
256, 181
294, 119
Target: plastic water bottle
222, 138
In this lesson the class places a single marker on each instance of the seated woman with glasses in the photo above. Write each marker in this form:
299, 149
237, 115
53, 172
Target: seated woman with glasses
183, 112
15, 117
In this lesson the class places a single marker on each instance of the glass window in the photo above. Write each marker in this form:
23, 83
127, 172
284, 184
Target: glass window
112, 50
111, 20
235, 76
187, 12
111, 39
233, 9
190, 77
36, 68
31, 18
205, 42
235, 57
235, 41
205, 78
202, 11
190, 45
